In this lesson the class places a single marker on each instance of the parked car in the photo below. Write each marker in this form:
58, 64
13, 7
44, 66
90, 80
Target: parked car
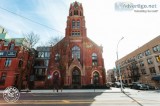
140, 86
118, 84
110, 84
134, 84
150, 87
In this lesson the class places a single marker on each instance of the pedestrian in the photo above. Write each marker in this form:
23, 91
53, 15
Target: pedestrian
55, 82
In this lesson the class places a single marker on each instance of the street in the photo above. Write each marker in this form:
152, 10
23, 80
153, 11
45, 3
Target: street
75, 97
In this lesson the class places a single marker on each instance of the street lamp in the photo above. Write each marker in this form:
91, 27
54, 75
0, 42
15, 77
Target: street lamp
119, 66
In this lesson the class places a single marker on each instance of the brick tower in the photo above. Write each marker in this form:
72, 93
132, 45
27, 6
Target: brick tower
76, 59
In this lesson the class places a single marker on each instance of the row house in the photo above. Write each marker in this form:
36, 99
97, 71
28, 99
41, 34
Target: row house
15, 62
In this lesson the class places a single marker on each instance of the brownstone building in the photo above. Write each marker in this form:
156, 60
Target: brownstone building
110, 77
76, 59
15, 61
143, 64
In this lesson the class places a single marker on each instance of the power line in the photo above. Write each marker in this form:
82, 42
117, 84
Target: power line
30, 20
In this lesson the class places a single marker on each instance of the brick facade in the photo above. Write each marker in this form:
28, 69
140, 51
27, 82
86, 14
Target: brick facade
143, 64
76, 58
15, 62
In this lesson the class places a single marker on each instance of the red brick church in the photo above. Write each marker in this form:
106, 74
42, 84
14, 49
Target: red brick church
76, 59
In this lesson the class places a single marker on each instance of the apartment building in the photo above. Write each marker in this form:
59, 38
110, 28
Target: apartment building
15, 61
142, 65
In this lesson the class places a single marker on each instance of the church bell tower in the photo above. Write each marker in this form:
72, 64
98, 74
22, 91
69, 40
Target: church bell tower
75, 21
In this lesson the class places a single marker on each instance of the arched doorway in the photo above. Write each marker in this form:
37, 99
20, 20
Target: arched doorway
76, 78
96, 78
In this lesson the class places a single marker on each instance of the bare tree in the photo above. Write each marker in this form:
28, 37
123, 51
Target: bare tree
32, 38
54, 40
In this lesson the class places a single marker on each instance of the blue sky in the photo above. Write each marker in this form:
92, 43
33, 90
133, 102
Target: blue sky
104, 24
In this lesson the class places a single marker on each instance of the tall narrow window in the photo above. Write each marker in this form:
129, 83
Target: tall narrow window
70, 14
75, 12
20, 64
149, 61
73, 24
46, 62
3, 78
47, 54
80, 13
78, 24
8, 62
76, 52
94, 59
57, 57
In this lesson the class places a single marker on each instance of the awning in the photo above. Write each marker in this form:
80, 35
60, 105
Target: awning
156, 77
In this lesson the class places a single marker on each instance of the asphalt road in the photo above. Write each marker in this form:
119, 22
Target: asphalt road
131, 98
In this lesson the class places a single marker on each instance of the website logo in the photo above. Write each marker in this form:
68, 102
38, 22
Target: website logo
135, 7
11, 94
123, 6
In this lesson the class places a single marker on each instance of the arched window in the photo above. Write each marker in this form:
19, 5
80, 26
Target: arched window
76, 52
96, 78
78, 24
70, 14
73, 24
94, 59
57, 57
75, 12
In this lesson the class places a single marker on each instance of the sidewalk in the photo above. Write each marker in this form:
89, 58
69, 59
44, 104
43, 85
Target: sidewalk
112, 90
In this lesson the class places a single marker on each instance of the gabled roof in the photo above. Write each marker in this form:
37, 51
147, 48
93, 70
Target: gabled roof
18, 41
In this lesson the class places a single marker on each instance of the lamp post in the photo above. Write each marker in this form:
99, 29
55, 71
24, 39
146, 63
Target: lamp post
119, 65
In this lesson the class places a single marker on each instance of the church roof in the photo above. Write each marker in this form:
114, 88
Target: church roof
76, 3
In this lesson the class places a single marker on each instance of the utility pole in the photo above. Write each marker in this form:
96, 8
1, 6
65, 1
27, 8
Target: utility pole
118, 66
